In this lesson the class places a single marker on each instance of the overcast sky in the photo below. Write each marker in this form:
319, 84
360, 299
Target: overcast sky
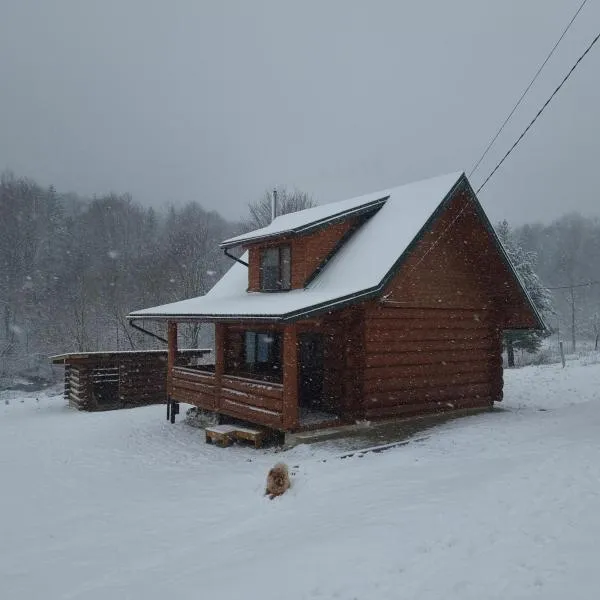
216, 101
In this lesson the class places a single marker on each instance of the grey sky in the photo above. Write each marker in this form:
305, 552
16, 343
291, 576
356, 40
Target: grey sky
217, 101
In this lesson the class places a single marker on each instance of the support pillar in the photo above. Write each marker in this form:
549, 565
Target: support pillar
172, 410
172, 353
220, 334
290, 378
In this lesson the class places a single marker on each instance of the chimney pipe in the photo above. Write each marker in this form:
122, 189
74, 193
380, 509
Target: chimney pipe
274, 205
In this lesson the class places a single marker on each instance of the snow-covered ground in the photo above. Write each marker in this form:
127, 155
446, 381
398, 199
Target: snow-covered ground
123, 505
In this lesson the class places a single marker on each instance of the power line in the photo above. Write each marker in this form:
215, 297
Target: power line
539, 112
575, 285
527, 88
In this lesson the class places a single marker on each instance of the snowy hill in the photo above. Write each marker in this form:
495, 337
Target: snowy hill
124, 505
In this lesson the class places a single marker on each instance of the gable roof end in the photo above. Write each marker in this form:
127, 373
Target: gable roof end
505, 258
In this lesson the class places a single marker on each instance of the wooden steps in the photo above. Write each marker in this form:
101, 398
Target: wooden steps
225, 435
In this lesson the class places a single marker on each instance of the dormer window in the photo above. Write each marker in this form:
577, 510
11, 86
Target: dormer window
275, 269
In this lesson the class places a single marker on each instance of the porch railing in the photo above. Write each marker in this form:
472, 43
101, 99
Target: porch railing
248, 399
194, 386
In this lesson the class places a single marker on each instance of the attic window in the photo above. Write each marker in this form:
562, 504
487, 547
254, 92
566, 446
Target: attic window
275, 269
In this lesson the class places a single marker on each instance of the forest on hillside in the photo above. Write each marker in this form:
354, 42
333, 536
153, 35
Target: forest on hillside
72, 268
567, 257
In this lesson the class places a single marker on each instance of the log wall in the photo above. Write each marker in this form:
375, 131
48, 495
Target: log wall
422, 360
433, 342
344, 360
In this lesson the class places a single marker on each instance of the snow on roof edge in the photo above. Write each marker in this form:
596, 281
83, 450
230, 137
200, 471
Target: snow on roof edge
297, 225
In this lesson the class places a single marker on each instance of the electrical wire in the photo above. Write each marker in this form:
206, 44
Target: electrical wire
539, 112
514, 108
575, 285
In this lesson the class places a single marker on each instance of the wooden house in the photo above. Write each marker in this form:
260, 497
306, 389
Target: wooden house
387, 305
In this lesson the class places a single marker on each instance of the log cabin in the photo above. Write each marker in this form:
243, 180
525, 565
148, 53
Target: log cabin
387, 305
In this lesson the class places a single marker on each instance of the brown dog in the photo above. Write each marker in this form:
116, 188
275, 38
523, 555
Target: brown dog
278, 481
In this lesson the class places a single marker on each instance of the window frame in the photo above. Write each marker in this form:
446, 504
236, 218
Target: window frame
272, 367
283, 281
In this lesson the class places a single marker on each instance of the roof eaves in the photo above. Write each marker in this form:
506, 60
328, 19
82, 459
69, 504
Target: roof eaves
210, 318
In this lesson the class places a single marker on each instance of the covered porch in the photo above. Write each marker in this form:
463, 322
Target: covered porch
288, 377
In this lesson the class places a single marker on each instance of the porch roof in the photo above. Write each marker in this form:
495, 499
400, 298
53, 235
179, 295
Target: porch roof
360, 269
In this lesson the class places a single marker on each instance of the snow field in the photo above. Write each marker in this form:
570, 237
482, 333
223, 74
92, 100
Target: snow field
124, 505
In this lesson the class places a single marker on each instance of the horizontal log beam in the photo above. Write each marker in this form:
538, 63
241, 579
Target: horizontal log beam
406, 410
193, 377
425, 370
198, 388
249, 386
441, 357
401, 384
411, 324
386, 310
253, 415
431, 394
206, 401
395, 347
423, 335
274, 404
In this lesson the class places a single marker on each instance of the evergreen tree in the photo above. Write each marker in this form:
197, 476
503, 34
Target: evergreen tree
524, 262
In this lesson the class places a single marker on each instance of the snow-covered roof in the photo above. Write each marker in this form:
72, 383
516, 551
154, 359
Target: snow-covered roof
358, 269
310, 218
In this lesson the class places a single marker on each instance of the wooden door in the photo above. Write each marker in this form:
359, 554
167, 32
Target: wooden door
311, 370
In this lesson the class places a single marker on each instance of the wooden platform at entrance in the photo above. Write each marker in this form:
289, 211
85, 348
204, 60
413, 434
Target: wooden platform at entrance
225, 435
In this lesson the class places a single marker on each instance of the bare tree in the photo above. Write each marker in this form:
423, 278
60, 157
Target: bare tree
287, 202
596, 329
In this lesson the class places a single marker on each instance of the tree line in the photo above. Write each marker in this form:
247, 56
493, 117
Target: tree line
72, 268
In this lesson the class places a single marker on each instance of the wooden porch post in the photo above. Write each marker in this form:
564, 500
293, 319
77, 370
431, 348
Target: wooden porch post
172, 352
219, 361
290, 377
